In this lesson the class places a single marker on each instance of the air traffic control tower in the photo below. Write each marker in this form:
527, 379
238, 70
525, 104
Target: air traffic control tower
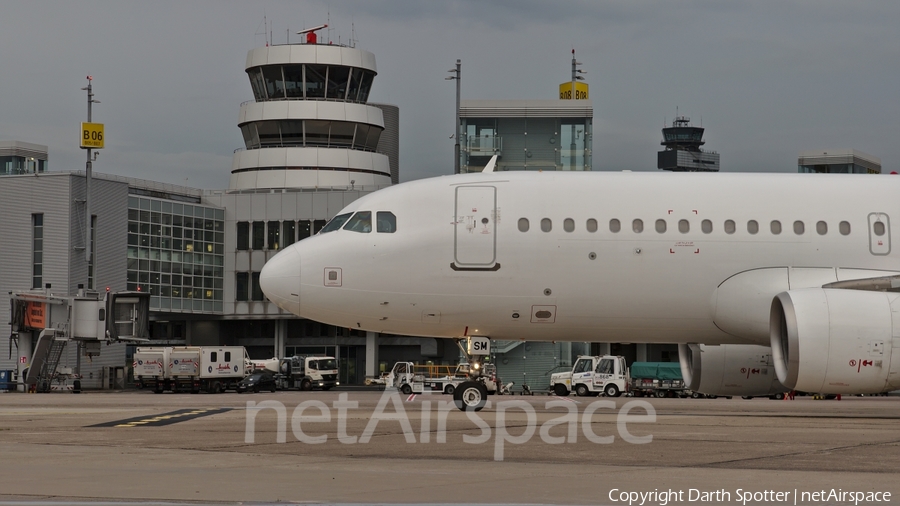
310, 125
682, 151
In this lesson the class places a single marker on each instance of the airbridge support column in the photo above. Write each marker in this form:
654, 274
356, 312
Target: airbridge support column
372, 355
23, 355
280, 338
641, 352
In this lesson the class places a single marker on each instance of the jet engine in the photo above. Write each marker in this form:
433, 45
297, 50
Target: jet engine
729, 369
836, 341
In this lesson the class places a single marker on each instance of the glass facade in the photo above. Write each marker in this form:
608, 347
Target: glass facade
538, 143
10, 165
175, 252
310, 82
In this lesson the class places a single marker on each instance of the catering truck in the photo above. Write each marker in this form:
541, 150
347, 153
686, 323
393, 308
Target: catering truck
191, 368
593, 375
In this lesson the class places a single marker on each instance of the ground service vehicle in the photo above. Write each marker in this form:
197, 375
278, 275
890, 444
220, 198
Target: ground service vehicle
150, 367
581, 379
411, 378
307, 373
193, 368
657, 379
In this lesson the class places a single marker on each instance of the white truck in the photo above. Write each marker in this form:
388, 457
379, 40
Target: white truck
593, 375
191, 368
410, 378
307, 373
149, 366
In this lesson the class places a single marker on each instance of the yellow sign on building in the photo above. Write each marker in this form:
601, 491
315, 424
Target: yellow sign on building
92, 135
581, 91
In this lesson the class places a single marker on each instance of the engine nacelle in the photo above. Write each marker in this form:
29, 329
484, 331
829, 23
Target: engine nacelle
729, 369
836, 341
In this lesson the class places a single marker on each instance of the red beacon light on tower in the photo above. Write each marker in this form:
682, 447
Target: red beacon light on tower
311, 37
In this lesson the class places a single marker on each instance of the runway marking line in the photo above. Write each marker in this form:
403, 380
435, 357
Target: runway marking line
181, 415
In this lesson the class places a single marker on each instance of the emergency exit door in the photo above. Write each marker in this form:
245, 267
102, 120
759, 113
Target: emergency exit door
879, 234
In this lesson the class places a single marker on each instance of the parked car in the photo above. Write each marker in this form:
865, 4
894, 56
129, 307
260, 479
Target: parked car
257, 381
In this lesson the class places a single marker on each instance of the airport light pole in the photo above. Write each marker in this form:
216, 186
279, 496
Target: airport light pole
456, 127
87, 174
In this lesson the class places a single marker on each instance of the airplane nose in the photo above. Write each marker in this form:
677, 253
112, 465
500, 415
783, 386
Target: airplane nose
280, 280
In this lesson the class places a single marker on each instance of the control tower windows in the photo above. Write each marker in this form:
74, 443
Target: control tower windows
315, 80
274, 82
293, 81
337, 82
285, 133
354, 84
310, 81
257, 83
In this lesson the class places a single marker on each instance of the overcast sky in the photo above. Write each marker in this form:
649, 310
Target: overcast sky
768, 78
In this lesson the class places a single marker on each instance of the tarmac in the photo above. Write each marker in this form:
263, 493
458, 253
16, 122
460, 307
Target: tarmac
372, 447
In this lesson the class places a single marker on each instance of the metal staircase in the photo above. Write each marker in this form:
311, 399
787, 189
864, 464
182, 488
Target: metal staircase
54, 343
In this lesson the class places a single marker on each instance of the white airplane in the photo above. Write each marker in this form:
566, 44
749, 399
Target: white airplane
754, 275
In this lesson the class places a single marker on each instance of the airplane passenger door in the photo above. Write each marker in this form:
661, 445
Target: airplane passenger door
879, 234
475, 233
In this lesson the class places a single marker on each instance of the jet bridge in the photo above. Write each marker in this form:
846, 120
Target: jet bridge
43, 324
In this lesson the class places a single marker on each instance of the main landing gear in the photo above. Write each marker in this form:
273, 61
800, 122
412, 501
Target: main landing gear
471, 395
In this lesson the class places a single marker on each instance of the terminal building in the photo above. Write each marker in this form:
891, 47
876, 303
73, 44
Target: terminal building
838, 161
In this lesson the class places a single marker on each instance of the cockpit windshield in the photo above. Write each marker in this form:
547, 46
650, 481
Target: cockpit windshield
387, 222
335, 223
360, 222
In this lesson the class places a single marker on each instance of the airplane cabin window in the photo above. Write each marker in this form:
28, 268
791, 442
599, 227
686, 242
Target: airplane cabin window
706, 226
360, 222
523, 225
822, 228
799, 227
569, 225
845, 228
335, 223
775, 226
614, 225
729, 226
684, 226
386, 222
752, 226
637, 226
591, 225
878, 228
546, 225
661, 226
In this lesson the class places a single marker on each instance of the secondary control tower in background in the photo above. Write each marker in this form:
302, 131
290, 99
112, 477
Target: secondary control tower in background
682, 151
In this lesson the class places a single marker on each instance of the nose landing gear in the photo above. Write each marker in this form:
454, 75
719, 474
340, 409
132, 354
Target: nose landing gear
471, 395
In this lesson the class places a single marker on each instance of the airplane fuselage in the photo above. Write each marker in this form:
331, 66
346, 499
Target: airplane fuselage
596, 256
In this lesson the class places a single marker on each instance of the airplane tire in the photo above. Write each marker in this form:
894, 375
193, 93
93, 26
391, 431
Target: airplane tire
470, 396
778, 397
582, 390
405, 389
560, 390
612, 391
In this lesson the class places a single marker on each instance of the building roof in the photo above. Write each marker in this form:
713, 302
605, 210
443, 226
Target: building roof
526, 109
